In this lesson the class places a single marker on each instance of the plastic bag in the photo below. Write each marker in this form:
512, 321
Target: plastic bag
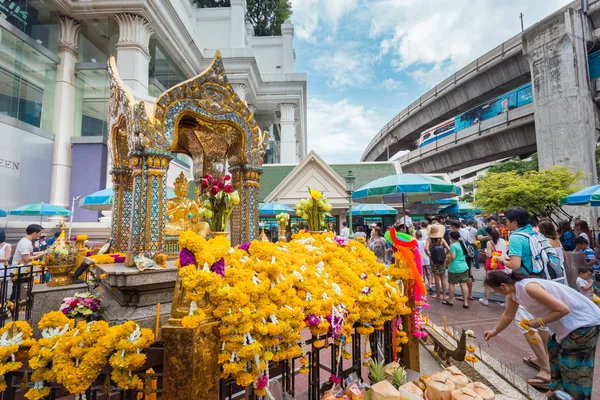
335, 393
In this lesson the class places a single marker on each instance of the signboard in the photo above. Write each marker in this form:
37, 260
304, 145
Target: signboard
15, 12
10, 163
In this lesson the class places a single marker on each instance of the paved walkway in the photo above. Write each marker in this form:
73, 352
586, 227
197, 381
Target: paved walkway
509, 347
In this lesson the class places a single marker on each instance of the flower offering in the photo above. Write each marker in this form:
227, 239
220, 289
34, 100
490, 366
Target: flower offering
81, 305
264, 294
218, 199
314, 209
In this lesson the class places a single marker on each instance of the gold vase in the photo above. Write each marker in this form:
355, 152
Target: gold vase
282, 236
61, 275
223, 234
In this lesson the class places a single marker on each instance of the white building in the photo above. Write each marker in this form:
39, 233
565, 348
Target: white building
54, 87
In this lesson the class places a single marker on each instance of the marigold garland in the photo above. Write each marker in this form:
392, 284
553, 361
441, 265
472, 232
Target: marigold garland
271, 291
130, 341
12, 335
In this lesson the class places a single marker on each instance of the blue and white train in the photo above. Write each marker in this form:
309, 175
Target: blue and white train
514, 99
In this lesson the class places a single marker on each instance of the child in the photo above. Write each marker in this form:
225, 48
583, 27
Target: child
426, 263
584, 282
581, 245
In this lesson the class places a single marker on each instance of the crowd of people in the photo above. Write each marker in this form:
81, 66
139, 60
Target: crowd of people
524, 262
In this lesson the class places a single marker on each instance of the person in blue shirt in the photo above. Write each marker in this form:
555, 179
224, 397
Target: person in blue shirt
520, 258
582, 246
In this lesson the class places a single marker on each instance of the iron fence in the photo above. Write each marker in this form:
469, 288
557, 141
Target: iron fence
16, 285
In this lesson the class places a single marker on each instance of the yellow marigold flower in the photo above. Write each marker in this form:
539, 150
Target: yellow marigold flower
471, 349
524, 324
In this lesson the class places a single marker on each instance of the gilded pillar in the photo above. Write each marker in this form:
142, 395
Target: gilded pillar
122, 206
244, 219
149, 185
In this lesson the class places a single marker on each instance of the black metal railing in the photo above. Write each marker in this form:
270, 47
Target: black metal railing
287, 372
16, 285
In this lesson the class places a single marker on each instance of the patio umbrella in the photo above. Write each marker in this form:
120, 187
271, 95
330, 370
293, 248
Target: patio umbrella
373, 209
40, 209
590, 195
405, 188
272, 209
2, 213
102, 200
431, 206
461, 208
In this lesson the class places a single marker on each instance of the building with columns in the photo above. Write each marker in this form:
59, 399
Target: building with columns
54, 85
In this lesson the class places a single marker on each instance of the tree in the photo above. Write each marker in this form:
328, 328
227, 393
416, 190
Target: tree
267, 16
519, 166
468, 189
539, 192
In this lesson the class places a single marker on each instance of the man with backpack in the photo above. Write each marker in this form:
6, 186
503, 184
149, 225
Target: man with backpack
530, 252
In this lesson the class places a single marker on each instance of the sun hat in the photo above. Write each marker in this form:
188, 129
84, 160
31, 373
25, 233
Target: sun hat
436, 231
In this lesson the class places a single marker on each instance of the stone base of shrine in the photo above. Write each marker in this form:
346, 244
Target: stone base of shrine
45, 299
130, 294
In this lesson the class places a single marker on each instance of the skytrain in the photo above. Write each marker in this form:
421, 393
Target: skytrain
514, 99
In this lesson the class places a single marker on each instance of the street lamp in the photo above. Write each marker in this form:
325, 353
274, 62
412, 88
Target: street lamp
349, 190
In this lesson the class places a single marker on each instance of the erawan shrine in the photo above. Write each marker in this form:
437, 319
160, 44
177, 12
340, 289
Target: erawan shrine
189, 301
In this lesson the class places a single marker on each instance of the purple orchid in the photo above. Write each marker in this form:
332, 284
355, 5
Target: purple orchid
186, 257
341, 241
219, 267
244, 246
366, 290
312, 320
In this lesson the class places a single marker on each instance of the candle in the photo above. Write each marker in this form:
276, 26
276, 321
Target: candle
445, 326
157, 321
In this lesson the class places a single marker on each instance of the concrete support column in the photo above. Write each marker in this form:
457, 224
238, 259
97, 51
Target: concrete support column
289, 55
133, 53
238, 24
64, 111
288, 133
565, 116
241, 90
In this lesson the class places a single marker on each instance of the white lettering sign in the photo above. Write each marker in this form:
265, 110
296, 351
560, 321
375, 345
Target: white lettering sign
14, 10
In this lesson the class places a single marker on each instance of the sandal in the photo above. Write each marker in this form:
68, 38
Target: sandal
435, 296
529, 361
447, 303
541, 383
465, 306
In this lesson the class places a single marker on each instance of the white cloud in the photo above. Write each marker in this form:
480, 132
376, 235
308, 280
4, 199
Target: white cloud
340, 131
442, 36
349, 65
391, 84
308, 15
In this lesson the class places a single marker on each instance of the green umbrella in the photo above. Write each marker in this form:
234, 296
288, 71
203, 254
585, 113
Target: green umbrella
406, 187
589, 195
373, 209
271, 209
40, 209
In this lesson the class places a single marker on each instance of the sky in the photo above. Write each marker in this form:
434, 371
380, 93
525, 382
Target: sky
366, 60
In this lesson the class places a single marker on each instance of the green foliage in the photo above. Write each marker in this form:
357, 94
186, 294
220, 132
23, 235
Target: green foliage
398, 377
267, 16
468, 187
537, 192
519, 166
376, 371
467, 198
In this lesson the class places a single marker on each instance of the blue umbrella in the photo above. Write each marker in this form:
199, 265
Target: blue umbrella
271, 209
590, 195
102, 200
40, 209
373, 209
2, 213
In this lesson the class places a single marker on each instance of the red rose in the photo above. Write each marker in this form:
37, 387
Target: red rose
74, 304
204, 183
228, 189
209, 177
227, 177
214, 190
220, 184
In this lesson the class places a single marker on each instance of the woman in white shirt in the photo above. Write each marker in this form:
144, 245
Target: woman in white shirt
573, 320
5, 249
495, 245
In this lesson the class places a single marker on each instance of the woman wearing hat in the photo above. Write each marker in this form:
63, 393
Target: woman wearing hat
437, 249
